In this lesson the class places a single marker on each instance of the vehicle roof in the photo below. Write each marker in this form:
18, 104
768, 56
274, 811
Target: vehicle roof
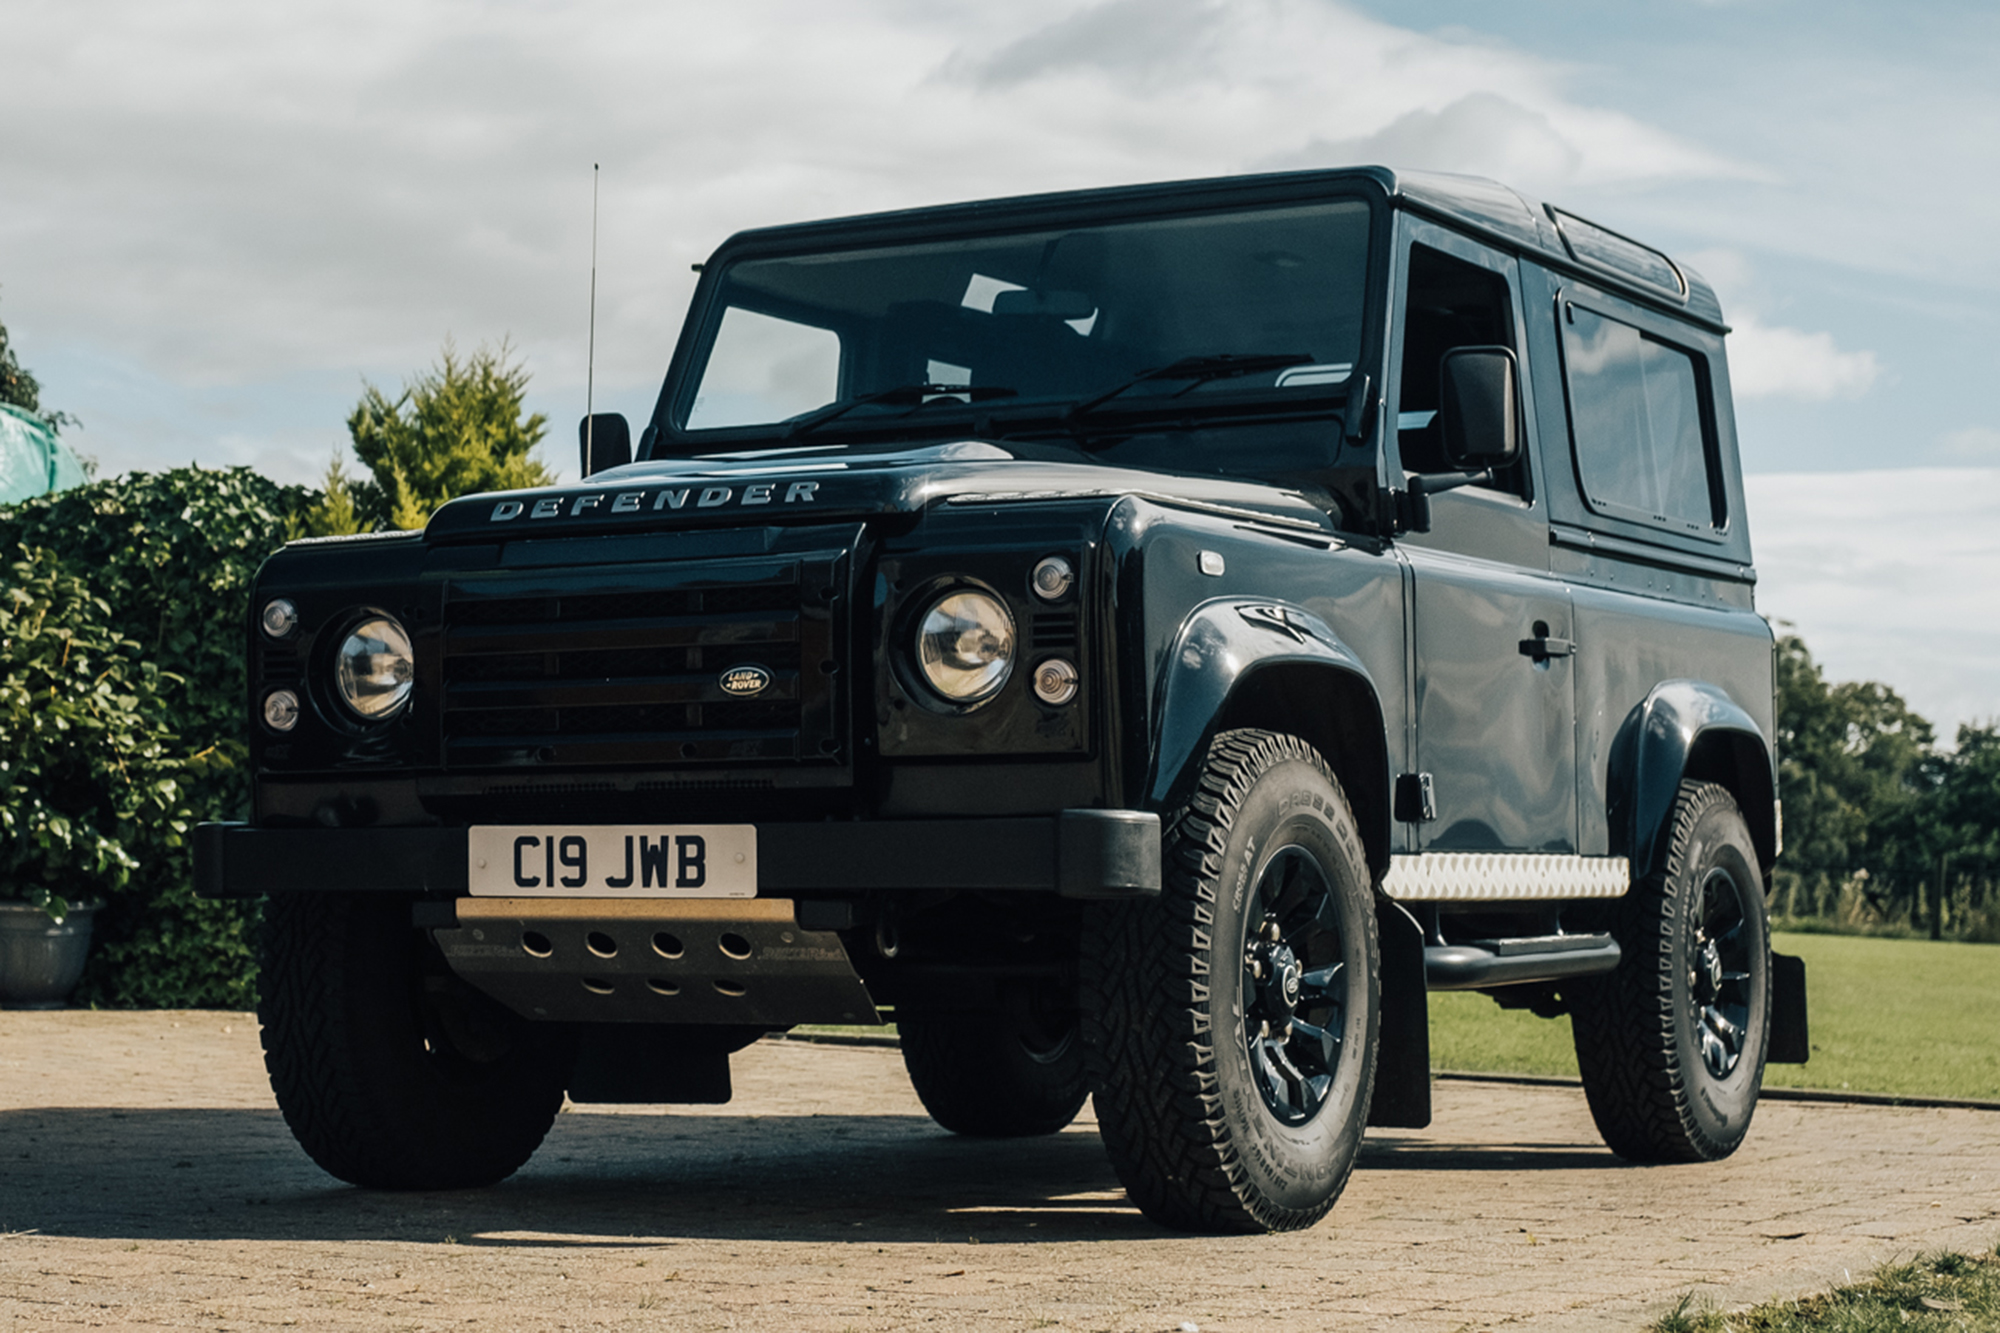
1500, 214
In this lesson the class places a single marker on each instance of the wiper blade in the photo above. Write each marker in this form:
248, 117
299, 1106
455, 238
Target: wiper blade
912, 395
1199, 370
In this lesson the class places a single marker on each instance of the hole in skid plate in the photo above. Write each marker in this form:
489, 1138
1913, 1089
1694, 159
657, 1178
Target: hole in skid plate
734, 945
731, 988
667, 946
597, 985
601, 944
537, 943
661, 986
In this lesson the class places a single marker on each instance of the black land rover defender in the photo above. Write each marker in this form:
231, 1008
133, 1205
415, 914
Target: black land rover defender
1141, 641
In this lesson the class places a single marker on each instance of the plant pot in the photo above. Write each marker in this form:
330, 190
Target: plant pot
40, 960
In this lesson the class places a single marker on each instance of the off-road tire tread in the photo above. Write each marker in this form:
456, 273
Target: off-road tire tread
1155, 1080
1624, 1023
327, 1069
973, 1084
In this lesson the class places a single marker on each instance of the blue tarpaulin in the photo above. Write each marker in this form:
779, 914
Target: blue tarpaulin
32, 460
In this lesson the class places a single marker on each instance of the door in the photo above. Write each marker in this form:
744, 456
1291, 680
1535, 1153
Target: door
1492, 696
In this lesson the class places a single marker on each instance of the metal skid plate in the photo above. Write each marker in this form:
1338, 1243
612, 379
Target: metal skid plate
652, 961
1481, 877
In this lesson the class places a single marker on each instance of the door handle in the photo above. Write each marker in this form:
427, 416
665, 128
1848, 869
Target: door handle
1543, 646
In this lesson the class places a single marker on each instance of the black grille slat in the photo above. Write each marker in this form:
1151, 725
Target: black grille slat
1054, 630
627, 667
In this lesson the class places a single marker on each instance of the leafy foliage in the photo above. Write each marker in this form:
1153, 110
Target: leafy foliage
131, 687
456, 429
1880, 825
88, 774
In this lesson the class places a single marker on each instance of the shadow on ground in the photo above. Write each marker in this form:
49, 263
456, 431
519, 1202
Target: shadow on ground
610, 1180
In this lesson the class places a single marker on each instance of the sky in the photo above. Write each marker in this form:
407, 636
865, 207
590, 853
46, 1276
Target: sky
219, 220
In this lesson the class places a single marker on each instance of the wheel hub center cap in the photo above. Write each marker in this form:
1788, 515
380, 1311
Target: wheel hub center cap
1282, 977
1711, 967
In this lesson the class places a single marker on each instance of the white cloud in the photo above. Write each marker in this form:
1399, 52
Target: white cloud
1774, 360
1891, 576
224, 192
1974, 444
1768, 361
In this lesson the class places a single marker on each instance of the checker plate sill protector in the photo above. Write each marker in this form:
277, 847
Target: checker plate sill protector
1471, 877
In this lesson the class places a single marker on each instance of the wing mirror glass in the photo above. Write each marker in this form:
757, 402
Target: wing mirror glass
1479, 407
604, 440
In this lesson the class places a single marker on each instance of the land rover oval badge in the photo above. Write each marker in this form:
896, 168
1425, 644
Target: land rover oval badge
746, 681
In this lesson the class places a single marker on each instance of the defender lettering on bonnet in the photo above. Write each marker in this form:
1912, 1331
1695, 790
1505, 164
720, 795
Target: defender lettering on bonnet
667, 497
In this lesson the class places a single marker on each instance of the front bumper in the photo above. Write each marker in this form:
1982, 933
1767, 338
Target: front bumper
1077, 854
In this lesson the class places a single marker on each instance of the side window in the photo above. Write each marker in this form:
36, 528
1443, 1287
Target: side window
764, 368
1637, 421
1450, 303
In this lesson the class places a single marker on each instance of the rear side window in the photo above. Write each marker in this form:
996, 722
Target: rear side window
1638, 421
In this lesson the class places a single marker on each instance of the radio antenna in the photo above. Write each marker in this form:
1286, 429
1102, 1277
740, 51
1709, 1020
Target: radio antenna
590, 356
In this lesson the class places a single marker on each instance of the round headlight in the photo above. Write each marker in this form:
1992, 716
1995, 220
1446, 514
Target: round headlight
965, 646
374, 669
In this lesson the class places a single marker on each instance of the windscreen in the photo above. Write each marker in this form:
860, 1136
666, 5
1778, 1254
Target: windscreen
1243, 302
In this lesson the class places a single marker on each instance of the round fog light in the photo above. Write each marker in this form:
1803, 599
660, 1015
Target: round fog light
280, 617
1052, 578
1055, 681
281, 710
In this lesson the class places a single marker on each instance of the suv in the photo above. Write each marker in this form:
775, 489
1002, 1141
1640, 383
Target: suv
1140, 640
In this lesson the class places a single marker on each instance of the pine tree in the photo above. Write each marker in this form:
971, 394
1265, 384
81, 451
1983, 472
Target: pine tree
454, 430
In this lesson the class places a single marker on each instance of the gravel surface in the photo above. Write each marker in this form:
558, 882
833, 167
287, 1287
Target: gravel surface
147, 1181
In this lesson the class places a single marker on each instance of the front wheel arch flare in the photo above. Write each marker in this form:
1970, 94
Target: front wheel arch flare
1229, 673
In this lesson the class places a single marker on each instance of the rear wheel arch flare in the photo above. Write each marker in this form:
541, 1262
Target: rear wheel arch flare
1686, 730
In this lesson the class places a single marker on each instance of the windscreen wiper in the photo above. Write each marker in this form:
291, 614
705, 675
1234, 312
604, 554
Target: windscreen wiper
911, 395
1198, 370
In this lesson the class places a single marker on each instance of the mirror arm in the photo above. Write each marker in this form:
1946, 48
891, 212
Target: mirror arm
1412, 508
1435, 483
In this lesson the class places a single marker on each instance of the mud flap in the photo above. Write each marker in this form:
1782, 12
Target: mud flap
1791, 1044
1403, 1050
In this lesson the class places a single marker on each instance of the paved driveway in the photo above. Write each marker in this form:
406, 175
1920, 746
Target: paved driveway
147, 1180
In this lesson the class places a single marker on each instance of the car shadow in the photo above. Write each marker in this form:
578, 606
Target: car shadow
599, 1179
622, 1178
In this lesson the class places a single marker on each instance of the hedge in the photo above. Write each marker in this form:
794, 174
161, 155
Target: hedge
122, 694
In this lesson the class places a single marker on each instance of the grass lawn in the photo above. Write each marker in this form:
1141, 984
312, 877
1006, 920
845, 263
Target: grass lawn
1909, 1017
1938, 1293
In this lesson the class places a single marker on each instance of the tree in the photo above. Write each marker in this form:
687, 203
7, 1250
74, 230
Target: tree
1855, 768
456, 429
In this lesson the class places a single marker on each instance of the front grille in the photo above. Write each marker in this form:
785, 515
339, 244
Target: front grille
625, 665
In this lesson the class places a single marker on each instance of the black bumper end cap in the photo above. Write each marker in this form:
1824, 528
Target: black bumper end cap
1108, 854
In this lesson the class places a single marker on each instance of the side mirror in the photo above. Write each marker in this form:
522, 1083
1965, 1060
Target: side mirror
1479, 407
604, 440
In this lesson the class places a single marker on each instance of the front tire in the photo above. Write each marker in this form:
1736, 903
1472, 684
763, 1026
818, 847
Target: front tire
1671, 1045
391, 1071
1231, 1023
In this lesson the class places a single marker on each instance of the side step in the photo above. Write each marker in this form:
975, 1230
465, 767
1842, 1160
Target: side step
1479, 963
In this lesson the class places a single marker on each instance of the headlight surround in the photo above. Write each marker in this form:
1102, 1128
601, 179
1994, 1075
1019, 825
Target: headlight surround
965, 646
374, 669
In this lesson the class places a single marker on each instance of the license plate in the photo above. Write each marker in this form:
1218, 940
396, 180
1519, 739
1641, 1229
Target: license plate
614, 861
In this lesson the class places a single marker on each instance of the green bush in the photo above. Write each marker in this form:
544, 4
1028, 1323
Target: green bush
137, 590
